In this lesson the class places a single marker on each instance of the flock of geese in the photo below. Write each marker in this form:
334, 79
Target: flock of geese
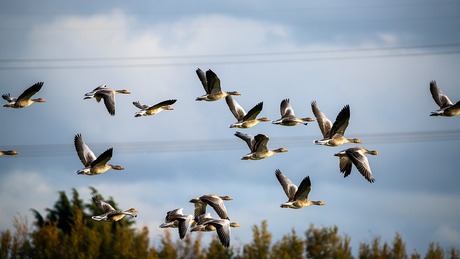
333, 134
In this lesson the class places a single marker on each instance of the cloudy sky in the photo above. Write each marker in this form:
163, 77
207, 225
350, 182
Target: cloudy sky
377, 57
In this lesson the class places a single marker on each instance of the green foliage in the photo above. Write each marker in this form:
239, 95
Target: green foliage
260, 245
434, 252
326, 243
289, 247
67, 231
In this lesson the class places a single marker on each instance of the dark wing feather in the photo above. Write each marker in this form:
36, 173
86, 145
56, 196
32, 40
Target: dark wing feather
217, 204
203, 80
200, 209
109, 101
163, 103
30, 91
261, 142
341, 122
303, 190
8, 98
345, 165
223, 231
362, 164
252, 113
103, 158
213, 82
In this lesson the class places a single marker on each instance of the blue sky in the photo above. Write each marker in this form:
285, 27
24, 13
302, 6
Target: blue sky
377, 57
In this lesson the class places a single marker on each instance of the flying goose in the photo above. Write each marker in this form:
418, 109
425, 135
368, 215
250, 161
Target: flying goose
154, 109
244, 120
257, 146
176, 218
8, 153
213, 200
446, 107
297, 196
211, 84
93, 165
24, 99
333, 133
107, 94
355, 156
222, 227
109, 213
288, 117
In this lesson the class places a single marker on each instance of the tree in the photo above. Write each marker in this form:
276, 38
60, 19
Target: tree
399, 248
260, 245
434, 252
291, 246
217, 250
326, 243
67, 231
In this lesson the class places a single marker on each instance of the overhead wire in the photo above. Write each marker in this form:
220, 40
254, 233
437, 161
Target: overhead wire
206, 145
226, 55
242, 58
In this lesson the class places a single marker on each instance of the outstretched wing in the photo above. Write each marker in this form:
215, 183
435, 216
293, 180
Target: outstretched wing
341, 122
439, 97
362, 164
103, 158
303, 190
140, 106
163, 103
84, 153
213, 82
289, 188
249, 139
235, 108
203, 80
104, 207
31, 91
286, 108
324, 123
261, 142
252, 113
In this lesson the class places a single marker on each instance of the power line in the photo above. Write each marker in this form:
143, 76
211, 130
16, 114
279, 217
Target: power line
229, 62
251, 54
204, 145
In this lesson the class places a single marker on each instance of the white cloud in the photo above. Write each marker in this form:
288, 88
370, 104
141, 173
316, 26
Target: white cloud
16, 192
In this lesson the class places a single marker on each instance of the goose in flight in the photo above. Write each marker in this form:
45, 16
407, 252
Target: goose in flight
176, 218
211, 84
297, 196
109, 213
446, 107
356, 156
154, 109
222, 227
107, 94
24, 99
288, 117
9, 153
257, 146
93, 165
213, 200
333, 133
244, 120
